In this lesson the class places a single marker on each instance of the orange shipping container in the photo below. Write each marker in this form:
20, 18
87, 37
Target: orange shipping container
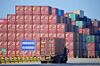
19, 36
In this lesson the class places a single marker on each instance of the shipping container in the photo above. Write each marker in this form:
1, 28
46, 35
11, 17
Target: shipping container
79, 12
36, 19
53, 19
91, 38
51, 46
28, 10
61, 12
20, 10
36, 10
44, 19
73, 16
54, 11
46, 10
61, 28
80, 24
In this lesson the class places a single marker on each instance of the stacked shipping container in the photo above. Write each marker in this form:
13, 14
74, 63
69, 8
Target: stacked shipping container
34, 22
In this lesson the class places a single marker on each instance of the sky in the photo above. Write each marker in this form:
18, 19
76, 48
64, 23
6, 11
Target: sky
91, 7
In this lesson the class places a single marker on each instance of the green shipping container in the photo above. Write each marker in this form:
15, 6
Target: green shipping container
80, 24
91, 38
73, 16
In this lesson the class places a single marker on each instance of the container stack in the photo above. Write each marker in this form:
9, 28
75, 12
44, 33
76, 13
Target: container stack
3, 37
44, 23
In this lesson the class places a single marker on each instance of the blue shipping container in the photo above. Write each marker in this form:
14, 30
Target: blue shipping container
60, 12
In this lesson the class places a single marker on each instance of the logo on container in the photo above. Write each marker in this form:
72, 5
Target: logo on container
28, 45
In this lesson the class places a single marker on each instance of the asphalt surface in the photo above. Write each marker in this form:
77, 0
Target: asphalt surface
71, 62
68, 64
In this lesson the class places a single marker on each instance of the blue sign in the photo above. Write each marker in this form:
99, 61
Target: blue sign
28, 44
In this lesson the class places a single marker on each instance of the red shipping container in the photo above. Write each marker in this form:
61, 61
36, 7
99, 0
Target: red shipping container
61, 28
9, 53
36, 36
4, 44
73, 23
70, 36
91, 46
44, 26
45, 10
70, 45
20, 30
36, 10
28, 30
71, 54
46, 46
20, 10
5, 37
54, 11
19, 36
19, 22
81, 30
86, 31
52, 35
28, 36
1, 36
28, 10
36, 26
53, 19
52, 31
3, 25
20, 53
44, 30
44, 35
36, 53
36, 30
66, 15
11, 36
91, 53
52, 26
36, 19
38, 45
28, 19
44, 19
61, 35
19, 18
28, 26
11, 18
19, 26
27, 53
18, 45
